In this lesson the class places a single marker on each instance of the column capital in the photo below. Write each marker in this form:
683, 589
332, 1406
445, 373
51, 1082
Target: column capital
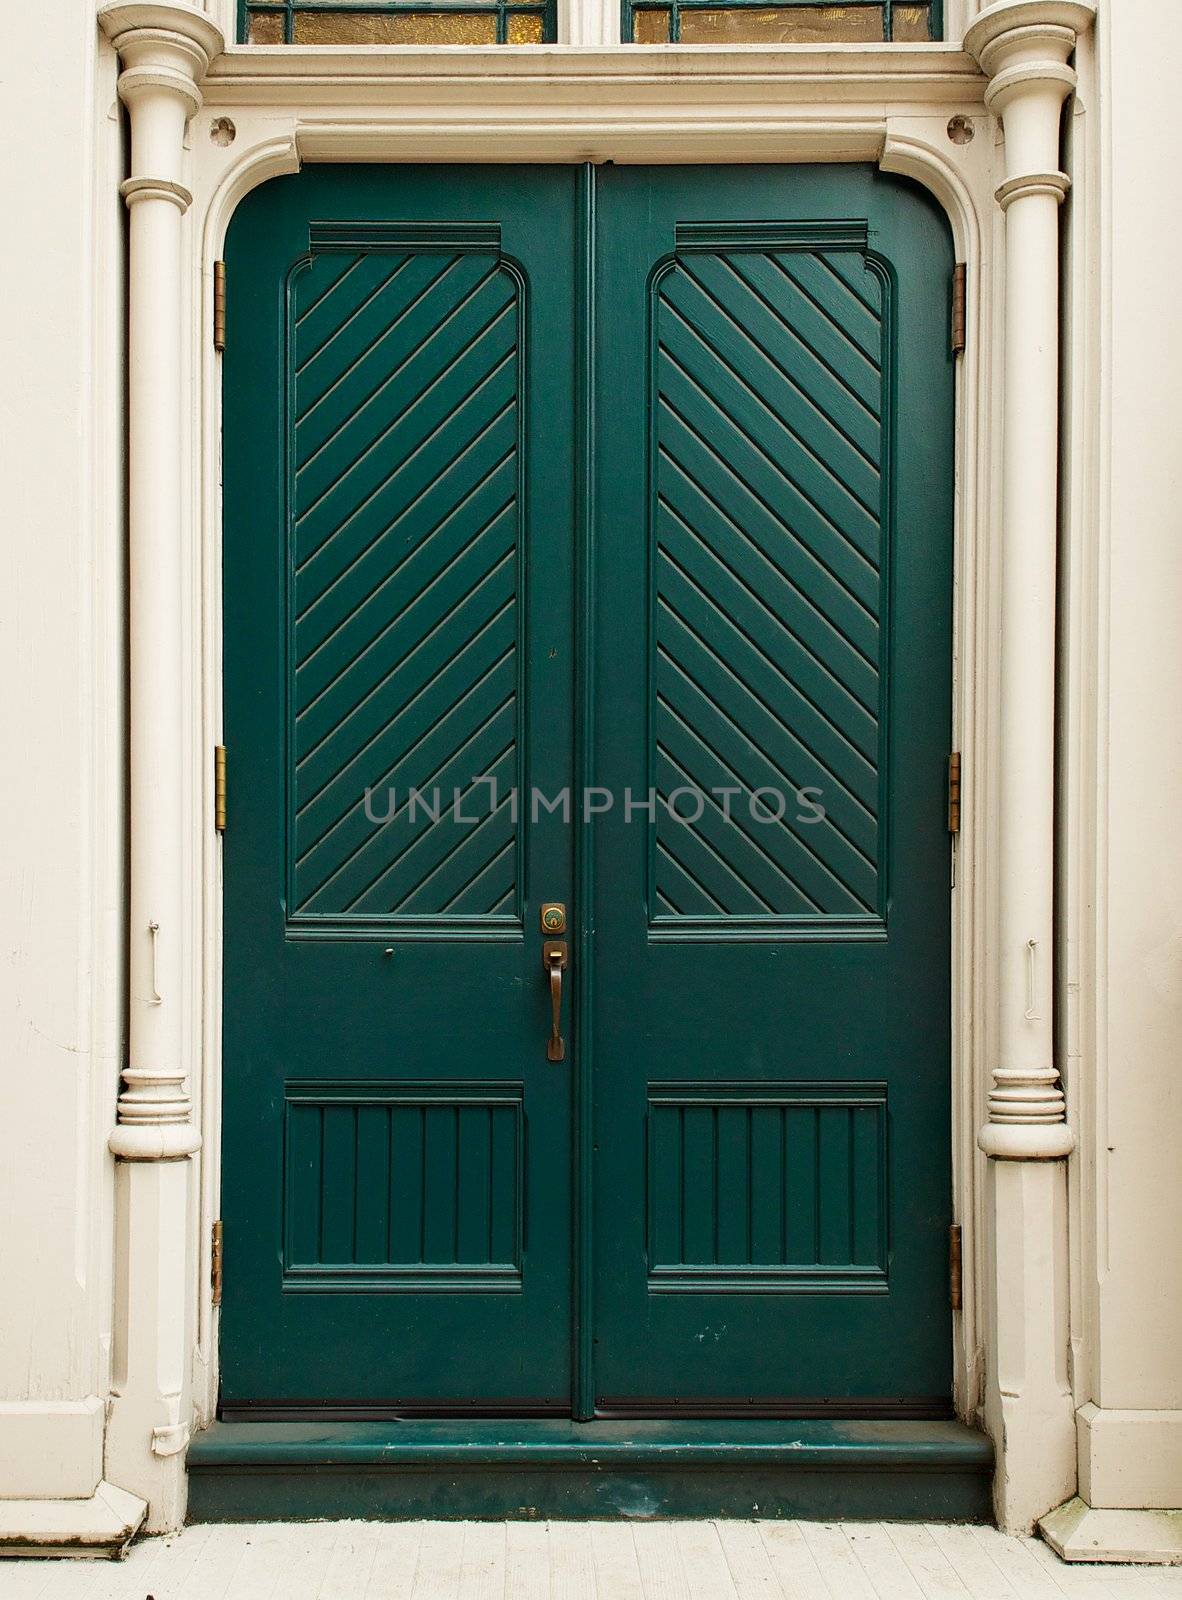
1025, 45
163, 45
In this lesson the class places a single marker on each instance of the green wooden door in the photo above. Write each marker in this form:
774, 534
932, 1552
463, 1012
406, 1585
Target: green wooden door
587, 539
400, 484
771, 957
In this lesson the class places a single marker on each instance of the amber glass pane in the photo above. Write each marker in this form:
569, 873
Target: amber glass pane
910, 24
650, 27
526, 29
437, 27
783, 25
265, 28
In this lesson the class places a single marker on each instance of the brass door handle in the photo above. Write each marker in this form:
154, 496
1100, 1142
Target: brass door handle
554, 959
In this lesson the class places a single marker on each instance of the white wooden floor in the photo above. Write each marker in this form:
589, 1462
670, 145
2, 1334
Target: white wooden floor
583, 1561
688, 1560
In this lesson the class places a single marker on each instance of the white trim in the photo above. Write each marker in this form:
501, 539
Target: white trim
674, 104
738, 105
960, 189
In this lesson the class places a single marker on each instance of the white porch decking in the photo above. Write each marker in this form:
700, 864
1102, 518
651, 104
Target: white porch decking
584, 1561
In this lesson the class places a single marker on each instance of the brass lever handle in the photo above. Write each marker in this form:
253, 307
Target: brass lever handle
554, 959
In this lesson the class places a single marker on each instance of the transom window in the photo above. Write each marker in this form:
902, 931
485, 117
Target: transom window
399, 22
719, 22
791, 22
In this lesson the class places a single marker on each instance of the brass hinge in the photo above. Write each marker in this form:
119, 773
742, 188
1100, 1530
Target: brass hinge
954, 792
219, 305
955, 1275
215, 1263
219, 787
959, 288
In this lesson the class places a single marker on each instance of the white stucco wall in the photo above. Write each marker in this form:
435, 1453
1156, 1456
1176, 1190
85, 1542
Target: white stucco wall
1125, 864
62, 851
61, 623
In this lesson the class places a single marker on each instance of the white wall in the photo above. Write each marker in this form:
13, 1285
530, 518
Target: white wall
61, 724
1122, 864
61, 779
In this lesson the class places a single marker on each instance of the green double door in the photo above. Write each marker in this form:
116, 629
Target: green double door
587, 544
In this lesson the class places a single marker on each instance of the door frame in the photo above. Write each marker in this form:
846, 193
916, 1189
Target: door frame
266, 113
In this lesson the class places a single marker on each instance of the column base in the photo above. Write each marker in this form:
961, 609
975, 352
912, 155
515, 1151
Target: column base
1079, 1532
151, 1405
1129, 1460
50, 1449
103, 1525
1026, 1141
1028, 1402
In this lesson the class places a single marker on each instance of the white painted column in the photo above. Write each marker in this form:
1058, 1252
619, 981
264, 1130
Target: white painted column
165, 50
1024, 47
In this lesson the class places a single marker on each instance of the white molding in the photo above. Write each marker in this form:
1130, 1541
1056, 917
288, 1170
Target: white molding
101, 1524
549, 103
446, 76
741, 105
918, 148
272, 154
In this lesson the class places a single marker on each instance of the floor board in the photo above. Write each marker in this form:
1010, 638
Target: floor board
584, 1561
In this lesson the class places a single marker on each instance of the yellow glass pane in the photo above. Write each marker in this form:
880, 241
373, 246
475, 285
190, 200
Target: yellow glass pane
265, 28
391, 27
384, 5
783, 25
526, 29
650, 27
910, 25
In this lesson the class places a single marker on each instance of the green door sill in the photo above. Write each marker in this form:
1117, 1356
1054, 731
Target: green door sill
919, 1471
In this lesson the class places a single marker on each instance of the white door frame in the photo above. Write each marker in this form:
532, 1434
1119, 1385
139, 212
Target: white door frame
268, 111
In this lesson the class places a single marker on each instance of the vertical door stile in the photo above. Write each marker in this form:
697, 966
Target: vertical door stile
582, 1323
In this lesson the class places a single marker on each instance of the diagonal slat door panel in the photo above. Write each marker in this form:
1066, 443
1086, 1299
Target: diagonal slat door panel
440, 345
768, 579
403, 587
784, 318
724, 357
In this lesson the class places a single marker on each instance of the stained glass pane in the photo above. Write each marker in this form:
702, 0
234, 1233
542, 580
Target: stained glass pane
266, 27
651, 27
911, 24
526, 28
790, 22
394, 27
782, 25
400, 22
